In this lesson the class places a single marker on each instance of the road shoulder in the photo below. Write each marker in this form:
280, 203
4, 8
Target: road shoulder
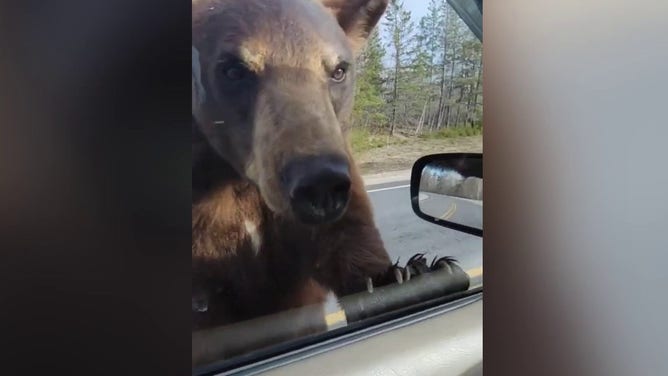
379, 179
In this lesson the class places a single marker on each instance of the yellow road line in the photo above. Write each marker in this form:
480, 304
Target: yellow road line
448, 213
475, 272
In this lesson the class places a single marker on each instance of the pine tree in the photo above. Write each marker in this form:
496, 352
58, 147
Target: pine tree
419, 79
430, 38
400, 29
369, 102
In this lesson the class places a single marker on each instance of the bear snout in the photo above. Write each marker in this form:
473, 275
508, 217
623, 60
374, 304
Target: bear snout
318, 187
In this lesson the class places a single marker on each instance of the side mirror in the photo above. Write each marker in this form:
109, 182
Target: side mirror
446, 189
470, 11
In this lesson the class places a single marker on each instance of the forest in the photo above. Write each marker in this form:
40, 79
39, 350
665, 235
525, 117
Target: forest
419, 77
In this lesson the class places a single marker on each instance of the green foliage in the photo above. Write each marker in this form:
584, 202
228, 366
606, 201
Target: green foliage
418, 79
400, 28
454, 132
369, 102
362, 140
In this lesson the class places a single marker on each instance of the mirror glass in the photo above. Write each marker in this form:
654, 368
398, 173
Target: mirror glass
451, 190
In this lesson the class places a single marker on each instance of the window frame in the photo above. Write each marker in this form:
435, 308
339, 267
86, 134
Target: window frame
291, 351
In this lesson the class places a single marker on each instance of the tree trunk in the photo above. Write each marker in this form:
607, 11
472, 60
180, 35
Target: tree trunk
477, 87
443, 71
452, 79
450, 87
429, 114
395, 93
459, 106
439, 118
419, 126
469, 104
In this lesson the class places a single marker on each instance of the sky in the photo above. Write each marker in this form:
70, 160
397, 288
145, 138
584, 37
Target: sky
418, 8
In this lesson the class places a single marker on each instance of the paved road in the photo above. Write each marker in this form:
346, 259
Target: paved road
454, 209
405, 234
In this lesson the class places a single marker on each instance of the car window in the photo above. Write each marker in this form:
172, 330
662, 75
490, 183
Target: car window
302, 221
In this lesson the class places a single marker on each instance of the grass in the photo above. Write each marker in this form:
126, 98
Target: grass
454, 132
363, 140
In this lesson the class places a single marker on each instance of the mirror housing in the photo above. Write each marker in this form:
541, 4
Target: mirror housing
470, 11
446, 189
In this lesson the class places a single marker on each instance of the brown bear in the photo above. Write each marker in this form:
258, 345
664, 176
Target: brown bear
280, 215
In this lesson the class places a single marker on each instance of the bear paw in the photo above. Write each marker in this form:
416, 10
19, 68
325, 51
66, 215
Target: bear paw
415, 266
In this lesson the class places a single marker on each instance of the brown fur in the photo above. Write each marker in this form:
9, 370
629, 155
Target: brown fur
242, 139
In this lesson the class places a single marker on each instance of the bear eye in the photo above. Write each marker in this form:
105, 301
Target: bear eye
339, 74
233, 70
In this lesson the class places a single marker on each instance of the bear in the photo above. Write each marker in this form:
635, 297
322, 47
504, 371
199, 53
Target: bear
280, 215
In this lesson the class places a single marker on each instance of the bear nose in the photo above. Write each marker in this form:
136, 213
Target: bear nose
319, 188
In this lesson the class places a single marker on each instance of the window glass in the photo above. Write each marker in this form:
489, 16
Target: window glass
296, 234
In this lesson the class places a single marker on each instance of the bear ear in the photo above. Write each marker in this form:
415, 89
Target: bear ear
357, 18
